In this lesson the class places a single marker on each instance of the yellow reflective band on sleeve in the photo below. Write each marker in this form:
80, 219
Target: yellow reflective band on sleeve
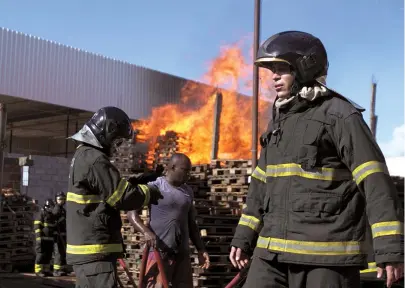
259, 174
387, 228
94, 249
49, 225
83, 199
117, 195
44, 238
310, 248
145, 191
249, 221
37, 222
366, 169
37, 230
316, 173
57, 267
38, 268
372, 267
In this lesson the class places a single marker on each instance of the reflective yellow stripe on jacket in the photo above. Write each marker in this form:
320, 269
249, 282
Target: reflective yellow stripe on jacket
249, 221
317, 173
83, 199
259, 174
387, 228
366, 169
372, 267
94, 249
310, 248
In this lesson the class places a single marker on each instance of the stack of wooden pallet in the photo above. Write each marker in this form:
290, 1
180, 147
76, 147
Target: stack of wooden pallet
130, 157
16, 238
218, 215
164, 148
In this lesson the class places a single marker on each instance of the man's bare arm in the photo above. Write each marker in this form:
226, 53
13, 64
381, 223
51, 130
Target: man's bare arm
138, 224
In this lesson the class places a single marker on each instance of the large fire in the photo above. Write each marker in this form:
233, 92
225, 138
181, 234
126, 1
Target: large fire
193, 117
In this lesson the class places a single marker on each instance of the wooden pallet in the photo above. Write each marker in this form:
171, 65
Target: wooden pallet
232, 171
218, 211
217, 203
217, 230
228, 181
216, 220
218, 163
227, 197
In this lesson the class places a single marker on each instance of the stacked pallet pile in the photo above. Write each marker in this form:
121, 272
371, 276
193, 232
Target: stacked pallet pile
130, 157
164, 148
218, 215
16, 237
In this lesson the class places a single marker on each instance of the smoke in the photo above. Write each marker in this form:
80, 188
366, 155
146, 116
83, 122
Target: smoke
395, 146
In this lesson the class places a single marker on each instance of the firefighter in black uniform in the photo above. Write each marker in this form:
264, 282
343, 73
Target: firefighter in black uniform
44, 226
319, 170
95, 197
59, 261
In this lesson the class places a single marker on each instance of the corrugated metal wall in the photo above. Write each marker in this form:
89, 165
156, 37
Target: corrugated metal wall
46, 71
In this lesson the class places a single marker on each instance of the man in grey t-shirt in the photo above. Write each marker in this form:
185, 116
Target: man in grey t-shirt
172, 224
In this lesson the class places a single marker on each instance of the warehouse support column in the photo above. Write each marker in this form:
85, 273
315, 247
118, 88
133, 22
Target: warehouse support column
67, 134
3, 123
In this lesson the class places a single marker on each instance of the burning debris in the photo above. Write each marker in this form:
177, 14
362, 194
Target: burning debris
231, 71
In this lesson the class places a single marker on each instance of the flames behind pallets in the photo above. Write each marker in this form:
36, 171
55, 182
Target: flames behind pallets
16, 232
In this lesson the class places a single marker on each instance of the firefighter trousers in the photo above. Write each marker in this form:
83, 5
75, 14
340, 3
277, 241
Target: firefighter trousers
96, 274
59, 262
43, 251
273, 274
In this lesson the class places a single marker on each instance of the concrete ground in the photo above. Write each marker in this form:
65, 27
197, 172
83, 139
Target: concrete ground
26, 280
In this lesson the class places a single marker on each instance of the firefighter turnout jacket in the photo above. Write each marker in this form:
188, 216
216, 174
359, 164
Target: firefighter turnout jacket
96, 195
44, 225
319, 170
60, 220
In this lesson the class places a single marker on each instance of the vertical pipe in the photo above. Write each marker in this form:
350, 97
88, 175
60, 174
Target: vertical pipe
3, 123
255, 98
10, 144
373, 117
217, 124
67, 134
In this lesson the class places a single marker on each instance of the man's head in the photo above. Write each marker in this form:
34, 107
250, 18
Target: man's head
49, 204
297, 59
178, 169
61, 198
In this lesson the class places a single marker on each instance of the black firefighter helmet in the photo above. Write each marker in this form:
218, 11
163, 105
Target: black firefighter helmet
305, 54
49, 204
106, 129
61, 195
302, 51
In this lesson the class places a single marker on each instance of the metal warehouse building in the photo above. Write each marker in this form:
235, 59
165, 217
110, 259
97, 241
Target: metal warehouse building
50, 90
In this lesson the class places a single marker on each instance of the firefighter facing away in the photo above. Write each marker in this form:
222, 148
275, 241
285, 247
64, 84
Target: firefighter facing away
44, 226
96, 195
319, 171
59, 261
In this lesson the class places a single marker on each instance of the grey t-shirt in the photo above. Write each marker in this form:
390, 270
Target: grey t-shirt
169, 219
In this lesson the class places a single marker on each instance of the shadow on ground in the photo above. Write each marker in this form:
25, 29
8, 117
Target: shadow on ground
23, 280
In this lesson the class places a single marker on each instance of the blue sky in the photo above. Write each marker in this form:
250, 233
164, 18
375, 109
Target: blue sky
363, 37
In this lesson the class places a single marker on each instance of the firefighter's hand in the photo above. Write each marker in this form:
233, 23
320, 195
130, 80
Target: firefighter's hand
238, 258
203, 260
394, 271
155, 194
150, 239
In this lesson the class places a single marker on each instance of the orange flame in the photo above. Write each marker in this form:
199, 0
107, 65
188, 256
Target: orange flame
193, 117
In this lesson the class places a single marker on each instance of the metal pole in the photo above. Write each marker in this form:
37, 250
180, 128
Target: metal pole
255, 98
373, 117
67, 134
10, 144
3, 124
217, 125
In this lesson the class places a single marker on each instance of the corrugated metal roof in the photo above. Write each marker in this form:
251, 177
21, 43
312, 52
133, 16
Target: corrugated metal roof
41, 70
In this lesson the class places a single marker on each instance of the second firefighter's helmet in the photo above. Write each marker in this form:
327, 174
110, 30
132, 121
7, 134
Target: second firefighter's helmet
61, 195
49, 204
302, 51
108, 126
